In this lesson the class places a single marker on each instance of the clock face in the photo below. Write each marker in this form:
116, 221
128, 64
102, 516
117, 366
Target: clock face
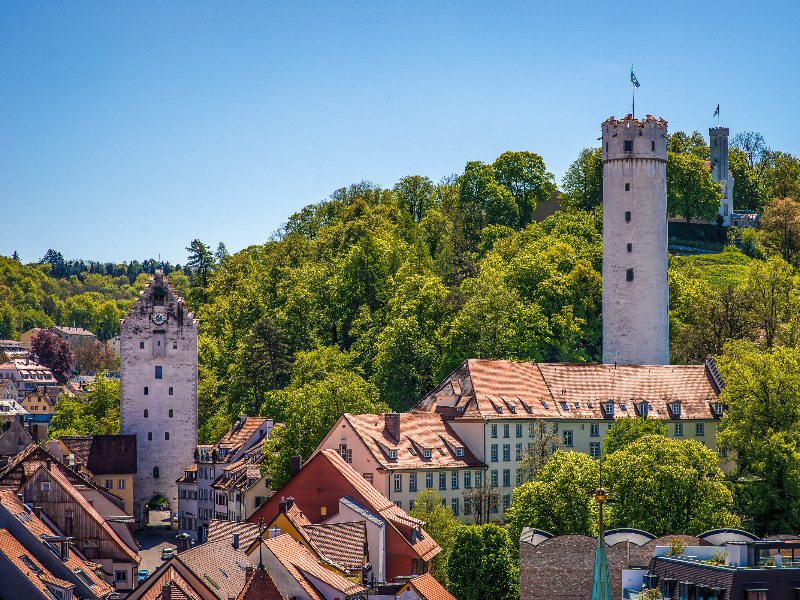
159, 318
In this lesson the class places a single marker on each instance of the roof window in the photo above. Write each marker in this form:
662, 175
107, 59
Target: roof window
392, 453
609, 408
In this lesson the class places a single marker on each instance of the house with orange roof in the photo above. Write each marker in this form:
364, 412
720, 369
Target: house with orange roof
216, 486
403, 454
44, 544
407, 548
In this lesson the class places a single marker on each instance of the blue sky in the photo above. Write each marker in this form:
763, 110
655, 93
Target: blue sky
127, 129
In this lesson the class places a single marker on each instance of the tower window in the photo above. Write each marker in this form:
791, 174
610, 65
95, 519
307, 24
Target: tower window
155, 473
146, 414
627, 187
628, 274
149, 436
145, 390
141, 345
627, 216
628, 145
158, 372
174, 345
171, 413
630, 247
606, 146
171, 389
653, 146
166, 435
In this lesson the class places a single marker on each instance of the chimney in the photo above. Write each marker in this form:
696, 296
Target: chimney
166, 592
37, 510
289, 503
248, 572
21, 498
297, 464
274, 532
243, 418
183, 543
282, 505
235, 541
49, 463
392, 425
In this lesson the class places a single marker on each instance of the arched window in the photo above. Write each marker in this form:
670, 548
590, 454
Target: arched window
155, 472
166, 435
150, 436
145, 413
171, 413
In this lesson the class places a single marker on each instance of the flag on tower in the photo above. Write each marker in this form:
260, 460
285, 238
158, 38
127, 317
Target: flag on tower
716, 112
634, 81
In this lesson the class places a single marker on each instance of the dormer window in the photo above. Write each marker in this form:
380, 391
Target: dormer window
719, 408
392, 453
608, 407
459, 452
676, 408
426, 453
643, 409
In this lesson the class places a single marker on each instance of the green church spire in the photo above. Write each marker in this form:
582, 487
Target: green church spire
601, 588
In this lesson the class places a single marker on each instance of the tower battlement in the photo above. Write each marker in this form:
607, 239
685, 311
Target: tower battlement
632, 138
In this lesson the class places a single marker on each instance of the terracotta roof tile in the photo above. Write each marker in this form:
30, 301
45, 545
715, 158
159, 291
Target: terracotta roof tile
299, 561
104, 454
28, 565
501, 389
418, 432
343, 543
225, 530
428, 588
260, 587
181, 589
219, 565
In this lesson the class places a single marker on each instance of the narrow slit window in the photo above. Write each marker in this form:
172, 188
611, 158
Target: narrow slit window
146, 414
141, 345
159, 372
174, 345
629, 275
653, 146
627, 216
149, 436
166, 435
171, 413
145, 390
171, 390
630, 247
627, 187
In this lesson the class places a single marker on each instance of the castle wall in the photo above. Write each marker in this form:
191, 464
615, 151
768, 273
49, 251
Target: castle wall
635, 285
168, 341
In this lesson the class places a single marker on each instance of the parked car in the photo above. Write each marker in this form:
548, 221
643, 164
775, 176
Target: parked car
167, 553
143, 574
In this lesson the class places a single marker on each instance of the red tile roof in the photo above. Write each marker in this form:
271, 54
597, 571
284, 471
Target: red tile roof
342, 543
501, 389
260, 587
418, 432
19, 556
428, 588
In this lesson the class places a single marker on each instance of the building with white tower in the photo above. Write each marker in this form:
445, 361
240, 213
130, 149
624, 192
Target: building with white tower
635, 285
158, 347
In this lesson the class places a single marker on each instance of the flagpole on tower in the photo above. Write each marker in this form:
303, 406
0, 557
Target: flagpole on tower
633, 95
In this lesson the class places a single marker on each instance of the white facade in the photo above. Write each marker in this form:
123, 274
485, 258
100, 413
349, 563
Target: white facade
635, 286
159, 391
718, 146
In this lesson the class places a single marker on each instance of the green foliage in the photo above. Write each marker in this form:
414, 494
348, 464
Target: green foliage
762, 426
664, 485
695, 144
747, 194
560, 499
583, 182
629, 430
676, 546
95, 414
690, 191
481, 564
441, 525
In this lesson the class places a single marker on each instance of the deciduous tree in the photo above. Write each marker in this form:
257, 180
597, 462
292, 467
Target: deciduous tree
481, 564
583, 182
54, 353
628, 430
440, 524
781, 225
691, 193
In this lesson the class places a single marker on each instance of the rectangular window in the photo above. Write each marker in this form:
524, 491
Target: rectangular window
628, 274
398, 483
442, 481
467, 479
756, 594
120, 484
594, 449
555, 427
477, 479
630, 247
398, 504
158, 372
368, 478
145, 391
455, 506
45, 486
519, 452
627, 216
109, 484
519, 429
412, 482
530, 430
494, 430
467, 507
699, 429
568, 438
506, 500
678, 429
506, 477
505, 430
518, 477
652, 146
410, 505
426, 453
171, 391
506, 451
493, 457
454, 480
494, 479
345, 453
428, 481
627, 187
628, 145
594, 429
121, 576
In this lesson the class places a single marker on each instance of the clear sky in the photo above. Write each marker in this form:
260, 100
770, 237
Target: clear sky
127, 129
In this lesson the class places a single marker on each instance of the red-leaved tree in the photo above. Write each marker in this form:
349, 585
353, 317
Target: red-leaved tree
54, 353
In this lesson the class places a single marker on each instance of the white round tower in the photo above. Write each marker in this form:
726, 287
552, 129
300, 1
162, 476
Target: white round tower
635, 286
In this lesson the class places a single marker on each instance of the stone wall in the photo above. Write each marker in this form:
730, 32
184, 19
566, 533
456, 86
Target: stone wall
562, 567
